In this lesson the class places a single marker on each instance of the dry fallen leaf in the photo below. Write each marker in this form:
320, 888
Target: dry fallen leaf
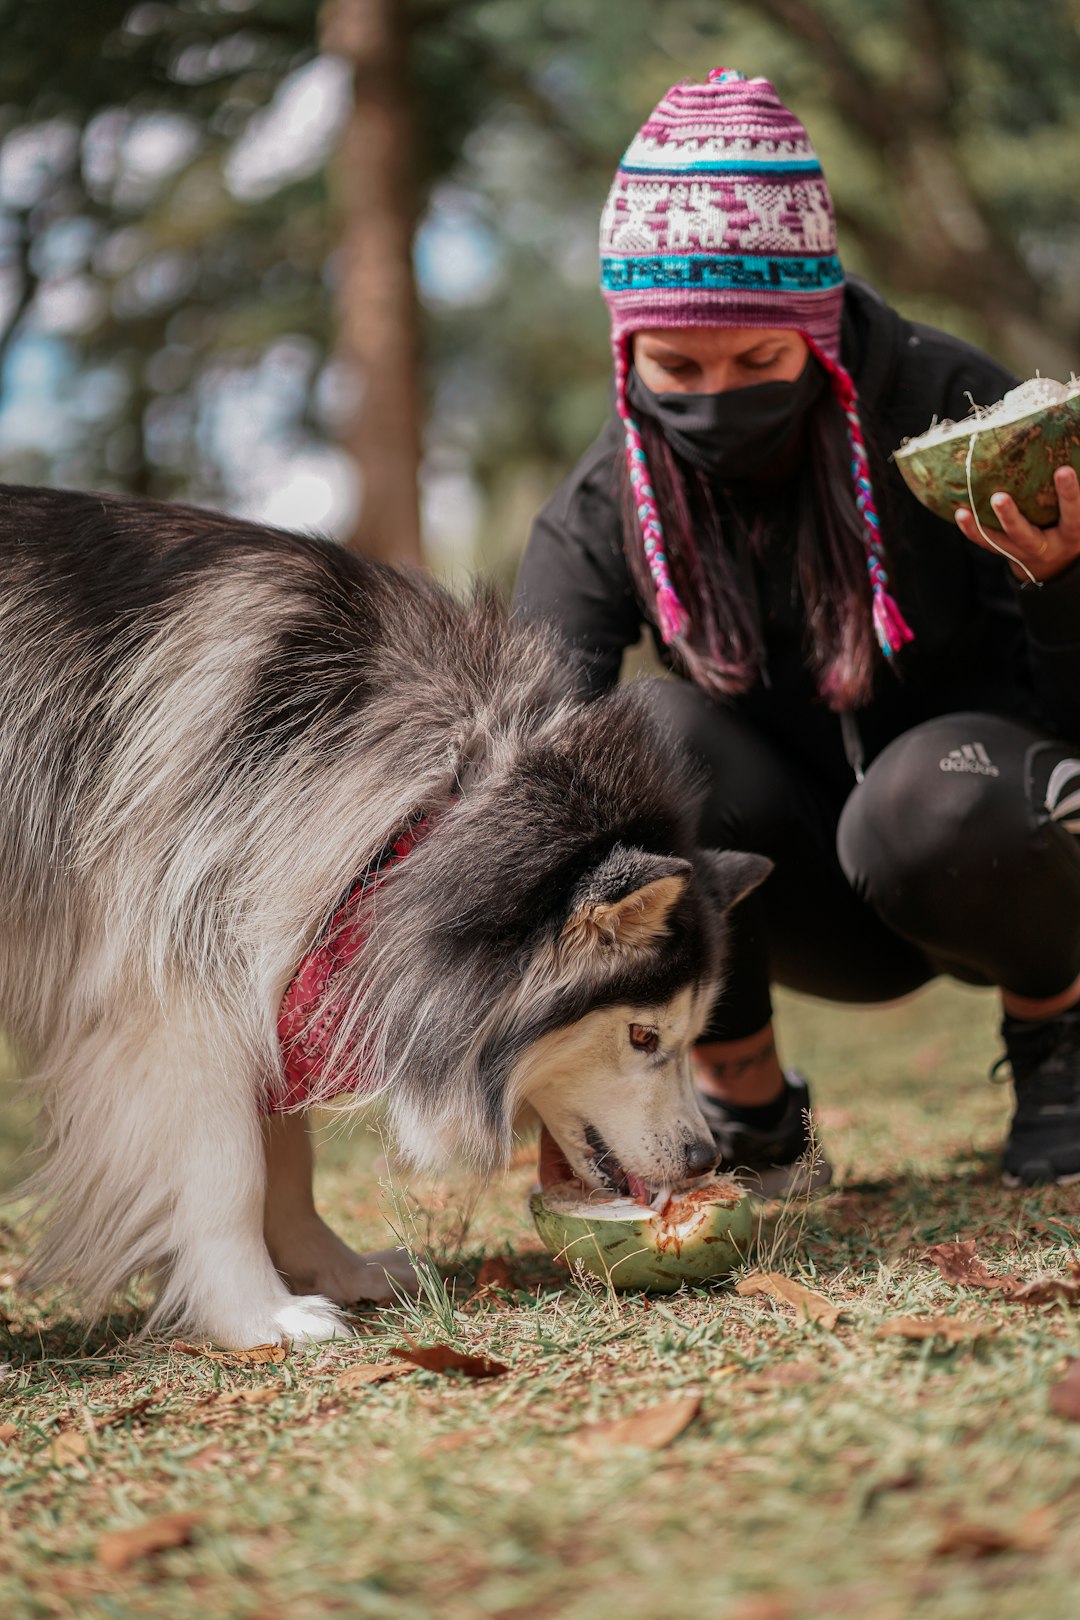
959, 1264
248, 1397
134, 1413
122, 1548
809, 1307
974, 1540
1047, 1289
257, 1356
1065, 1396
369, 1372
260, 1354
68, 1447
652, 1428
786, 1375
949, 1328
441, 1358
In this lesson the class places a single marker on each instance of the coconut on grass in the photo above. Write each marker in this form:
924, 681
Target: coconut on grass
698, 1235
1015, 446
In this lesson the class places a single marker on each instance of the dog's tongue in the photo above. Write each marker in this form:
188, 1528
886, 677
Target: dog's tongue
555, 1170
638, 1189
554, 1165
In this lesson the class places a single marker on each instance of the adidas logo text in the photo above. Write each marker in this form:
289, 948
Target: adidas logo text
972, 758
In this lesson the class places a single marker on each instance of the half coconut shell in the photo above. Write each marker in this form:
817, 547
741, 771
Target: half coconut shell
1015, 446
699, 1235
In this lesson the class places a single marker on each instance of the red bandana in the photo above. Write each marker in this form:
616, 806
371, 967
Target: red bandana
305, 1042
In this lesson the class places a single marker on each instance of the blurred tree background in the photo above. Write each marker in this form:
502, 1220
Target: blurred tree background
276, 256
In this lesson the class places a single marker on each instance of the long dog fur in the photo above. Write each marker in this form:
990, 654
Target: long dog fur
208, 729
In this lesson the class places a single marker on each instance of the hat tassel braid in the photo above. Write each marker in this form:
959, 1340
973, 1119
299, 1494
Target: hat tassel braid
671, 616
890, 626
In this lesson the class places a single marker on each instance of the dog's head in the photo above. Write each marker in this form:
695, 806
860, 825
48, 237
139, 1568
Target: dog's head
557, 946
639, 956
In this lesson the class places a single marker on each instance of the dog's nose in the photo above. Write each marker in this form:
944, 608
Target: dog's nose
699, 1157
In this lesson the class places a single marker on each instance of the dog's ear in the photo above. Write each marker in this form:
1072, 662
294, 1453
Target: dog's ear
730, 874
625, 902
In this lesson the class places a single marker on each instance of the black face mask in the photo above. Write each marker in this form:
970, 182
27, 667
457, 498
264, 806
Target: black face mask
743, 433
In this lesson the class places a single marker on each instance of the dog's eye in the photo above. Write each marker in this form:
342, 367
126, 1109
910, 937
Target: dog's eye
644, 1037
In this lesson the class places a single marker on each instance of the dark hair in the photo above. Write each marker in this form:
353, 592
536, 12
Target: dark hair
723, 652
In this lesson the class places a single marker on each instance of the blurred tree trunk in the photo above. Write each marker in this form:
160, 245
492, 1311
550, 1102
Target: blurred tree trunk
379, 333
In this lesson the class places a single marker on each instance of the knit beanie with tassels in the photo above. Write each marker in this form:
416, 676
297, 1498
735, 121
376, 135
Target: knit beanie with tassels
719, 215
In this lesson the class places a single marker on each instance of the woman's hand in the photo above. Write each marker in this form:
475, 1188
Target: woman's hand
1045, 552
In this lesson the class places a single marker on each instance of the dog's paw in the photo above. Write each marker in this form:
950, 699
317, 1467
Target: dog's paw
310, 1319
314, 1260
380, 1278
276, 1320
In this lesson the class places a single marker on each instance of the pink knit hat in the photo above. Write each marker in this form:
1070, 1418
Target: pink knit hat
719, 215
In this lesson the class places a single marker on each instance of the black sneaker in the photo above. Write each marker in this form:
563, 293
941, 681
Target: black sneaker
1043, 1144
776, 1162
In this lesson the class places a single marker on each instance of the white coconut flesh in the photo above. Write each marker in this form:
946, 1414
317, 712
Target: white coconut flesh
1027, 399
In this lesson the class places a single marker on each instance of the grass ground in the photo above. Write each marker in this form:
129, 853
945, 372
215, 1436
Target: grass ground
827, 1473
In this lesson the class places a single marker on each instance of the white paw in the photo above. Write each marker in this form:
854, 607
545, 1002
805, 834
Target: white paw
309, 1319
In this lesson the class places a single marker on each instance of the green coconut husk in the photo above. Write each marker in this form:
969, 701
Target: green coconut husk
699, 1236
1015, 446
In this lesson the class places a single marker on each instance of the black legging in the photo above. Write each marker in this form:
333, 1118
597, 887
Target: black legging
945, 859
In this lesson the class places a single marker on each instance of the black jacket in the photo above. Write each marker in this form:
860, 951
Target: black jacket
981, 643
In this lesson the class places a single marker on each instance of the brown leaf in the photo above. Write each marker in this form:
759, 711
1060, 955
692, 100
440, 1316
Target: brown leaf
441, 1358
124, 1414
257, 1356
249, 1397
369, 1372
8, 1431
950, 1328
495, 1272
786, 1375
652, 1428
1065, 1396
969, 1539
960, 1265
809, 1307
1047, 1289
68, 1447
122, 1548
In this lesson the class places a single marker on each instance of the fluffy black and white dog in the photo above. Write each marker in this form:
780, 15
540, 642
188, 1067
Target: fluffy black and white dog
208, 731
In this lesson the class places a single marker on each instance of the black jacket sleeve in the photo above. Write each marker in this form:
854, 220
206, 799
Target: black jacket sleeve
574, 575
1051, 614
